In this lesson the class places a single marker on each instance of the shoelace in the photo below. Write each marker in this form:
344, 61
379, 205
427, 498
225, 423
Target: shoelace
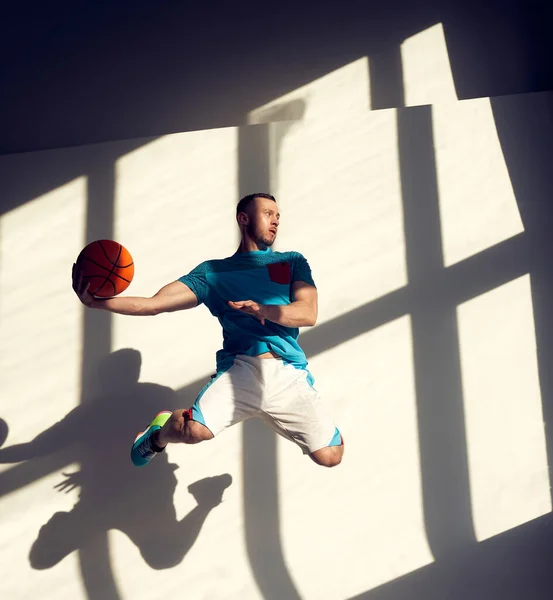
145, 448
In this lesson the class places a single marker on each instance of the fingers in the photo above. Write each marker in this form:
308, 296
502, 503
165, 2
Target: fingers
77, 278
74, 277
240, 304
80, 287
250, 308
80, 283
243, 304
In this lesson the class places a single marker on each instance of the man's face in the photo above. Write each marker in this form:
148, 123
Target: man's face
263, 221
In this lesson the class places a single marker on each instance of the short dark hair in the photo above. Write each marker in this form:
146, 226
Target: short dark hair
247, 200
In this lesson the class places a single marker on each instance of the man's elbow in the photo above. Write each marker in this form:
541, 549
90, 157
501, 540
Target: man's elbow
311, 320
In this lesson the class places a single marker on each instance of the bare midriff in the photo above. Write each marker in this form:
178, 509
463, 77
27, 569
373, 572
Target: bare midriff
269, 354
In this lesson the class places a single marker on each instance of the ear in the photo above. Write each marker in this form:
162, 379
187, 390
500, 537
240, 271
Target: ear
243, 218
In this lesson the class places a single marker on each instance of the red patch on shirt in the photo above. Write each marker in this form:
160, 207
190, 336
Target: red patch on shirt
280, 272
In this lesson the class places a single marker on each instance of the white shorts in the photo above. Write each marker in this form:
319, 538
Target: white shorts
273, 391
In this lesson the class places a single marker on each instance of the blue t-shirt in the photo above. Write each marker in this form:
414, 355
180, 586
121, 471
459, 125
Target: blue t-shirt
263, 276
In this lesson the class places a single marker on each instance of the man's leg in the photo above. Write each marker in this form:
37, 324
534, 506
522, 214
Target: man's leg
329, 456
230, 397
180, 428
167, 427
297, 412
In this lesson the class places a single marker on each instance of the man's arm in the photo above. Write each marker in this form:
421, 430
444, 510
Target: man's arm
302, 312
172, 297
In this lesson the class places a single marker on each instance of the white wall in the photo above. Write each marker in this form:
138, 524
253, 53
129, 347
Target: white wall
341, 531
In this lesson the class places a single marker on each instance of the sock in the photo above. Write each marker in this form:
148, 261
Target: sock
153, 444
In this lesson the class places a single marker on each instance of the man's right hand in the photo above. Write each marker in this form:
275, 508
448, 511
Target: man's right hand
80, 287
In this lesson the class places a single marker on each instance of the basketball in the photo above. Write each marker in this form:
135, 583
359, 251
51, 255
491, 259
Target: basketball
107, 266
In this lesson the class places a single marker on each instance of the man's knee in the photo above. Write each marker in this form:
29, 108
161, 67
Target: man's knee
181, 429
195, 432
330, 456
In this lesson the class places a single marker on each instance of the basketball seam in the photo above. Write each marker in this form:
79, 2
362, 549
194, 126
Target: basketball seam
118, 256
106, 269
106, 254
116, 263
107, 280
112, 268
112, 271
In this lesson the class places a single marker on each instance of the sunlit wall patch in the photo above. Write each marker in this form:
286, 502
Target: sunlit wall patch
427, 77
503, 409
331, 96
40, 316
478, 208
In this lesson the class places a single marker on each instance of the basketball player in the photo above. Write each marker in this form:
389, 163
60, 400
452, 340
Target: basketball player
261, 298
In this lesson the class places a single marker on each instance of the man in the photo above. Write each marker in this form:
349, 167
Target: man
261, 298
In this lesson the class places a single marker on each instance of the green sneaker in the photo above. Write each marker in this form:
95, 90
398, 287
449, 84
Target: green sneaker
142, 451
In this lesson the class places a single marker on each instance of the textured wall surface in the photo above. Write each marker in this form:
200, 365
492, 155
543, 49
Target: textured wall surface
424, 227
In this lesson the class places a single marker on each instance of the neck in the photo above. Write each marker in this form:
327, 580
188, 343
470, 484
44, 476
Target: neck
249, 245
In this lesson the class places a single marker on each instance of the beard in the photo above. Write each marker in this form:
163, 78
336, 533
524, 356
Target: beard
258, 237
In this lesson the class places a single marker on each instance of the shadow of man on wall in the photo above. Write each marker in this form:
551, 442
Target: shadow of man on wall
113, 493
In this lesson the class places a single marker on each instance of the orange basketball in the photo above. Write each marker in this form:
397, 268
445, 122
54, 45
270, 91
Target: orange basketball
107, 266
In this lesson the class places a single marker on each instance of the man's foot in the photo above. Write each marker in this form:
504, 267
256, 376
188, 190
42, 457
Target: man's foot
143, 450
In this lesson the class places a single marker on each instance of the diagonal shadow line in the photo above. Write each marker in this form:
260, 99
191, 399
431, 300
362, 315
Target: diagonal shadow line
458, 283
503, 566
51, 173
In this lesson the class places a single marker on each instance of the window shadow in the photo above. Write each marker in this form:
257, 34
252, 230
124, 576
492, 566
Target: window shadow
430, 335
440, 417
437, 368
259, 447
513, 564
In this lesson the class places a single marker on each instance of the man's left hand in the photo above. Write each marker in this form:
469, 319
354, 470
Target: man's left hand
250, 308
